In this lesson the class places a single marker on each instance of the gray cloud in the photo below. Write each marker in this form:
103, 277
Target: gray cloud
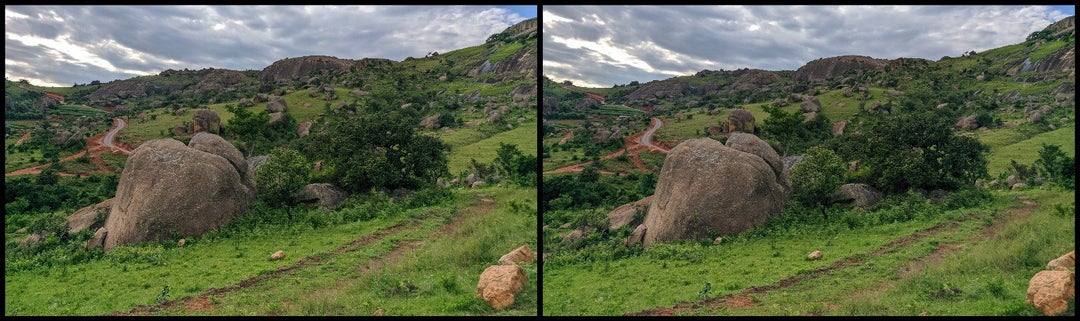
61, 45
605, 45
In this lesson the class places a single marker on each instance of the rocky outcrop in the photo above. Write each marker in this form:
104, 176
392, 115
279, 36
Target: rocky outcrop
206, 120
838, 128
740, 120
169, 189
860, 195
706, 187
300, 67
499, 284
304, 128
276, 104
1050, 291
322, 193
627, 214
824, 69
87, 217
1065, 262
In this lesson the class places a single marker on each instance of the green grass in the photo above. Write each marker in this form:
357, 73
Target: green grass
17, 160
991, 273
444, 271
1046, 49
1026, 151
618, 110
218, 259
484, 150
505, 51
114, 161
75, 110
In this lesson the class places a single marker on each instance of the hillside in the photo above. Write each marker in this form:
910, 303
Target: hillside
352, 175
935, 187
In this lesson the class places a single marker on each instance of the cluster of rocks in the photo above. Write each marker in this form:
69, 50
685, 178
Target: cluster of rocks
500, 283
1051, 289
203, 120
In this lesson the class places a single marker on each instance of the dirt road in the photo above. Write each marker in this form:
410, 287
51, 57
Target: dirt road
634, 145
95, 146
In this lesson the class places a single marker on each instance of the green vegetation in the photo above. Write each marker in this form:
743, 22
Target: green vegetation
284, 173
618, 110
523, 136
816, 178
75, 110
1025, 150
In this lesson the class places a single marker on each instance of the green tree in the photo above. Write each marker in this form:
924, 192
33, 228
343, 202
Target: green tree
515, 165
1055, 166
791, 132
283, 174
915, 150
247, 126
379, 149
816, 178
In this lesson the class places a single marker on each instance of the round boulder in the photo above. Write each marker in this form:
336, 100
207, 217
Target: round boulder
499, 284
206, 120
706, 187
169, 189
740, 120
323, 193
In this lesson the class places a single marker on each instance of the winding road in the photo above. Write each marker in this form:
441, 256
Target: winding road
95, 146
634, 144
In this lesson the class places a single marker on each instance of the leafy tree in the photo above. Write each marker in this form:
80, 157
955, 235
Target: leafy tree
1054, 165
916, 150
283, 174
789, 129
816, 178
515, 165
247, 126
379, 149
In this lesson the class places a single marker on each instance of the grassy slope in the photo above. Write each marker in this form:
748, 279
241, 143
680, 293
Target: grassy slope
210, 262
484, 150
1005, 146
444, 270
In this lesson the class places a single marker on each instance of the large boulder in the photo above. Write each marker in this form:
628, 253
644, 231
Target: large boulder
500, 283
87, 217
1050, 291
861, 195
706, 187
206, 120
740, 120
521, 254
304, 128
754, 145
276, 105
1065, 262
810, 105
323, 193
838, 128
627, 214
169, 189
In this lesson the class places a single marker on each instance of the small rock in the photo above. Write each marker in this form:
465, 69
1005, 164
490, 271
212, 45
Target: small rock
923, 314
499, 284
31, 239
181, 243
1050, 291
521, 254
1065, 262
814, 255
718, 240
380, 312
277, 255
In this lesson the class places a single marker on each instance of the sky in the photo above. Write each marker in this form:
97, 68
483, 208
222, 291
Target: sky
601, 46
65, 45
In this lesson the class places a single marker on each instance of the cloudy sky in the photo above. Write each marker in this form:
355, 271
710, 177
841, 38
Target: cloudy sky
600, 46
64, 45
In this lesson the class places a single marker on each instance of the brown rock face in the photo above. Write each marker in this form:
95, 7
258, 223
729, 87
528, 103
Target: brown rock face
740, 120
706, 187
206, 120
1065, 262
1050, 291
276, 104
168, 188
499, 284
838, 128
522, 254
827, 68
626, 214
85, 217
300, 67
304, 128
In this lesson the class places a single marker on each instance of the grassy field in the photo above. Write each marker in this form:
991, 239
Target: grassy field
114, 161
164, 271
991, 273
484, 150
75, 110
17, 160
618, 110
1026, 151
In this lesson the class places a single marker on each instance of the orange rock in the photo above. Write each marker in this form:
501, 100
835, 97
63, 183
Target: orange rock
499, 284
1050, 291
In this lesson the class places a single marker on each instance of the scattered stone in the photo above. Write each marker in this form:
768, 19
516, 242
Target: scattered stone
206, 120
325, 194
521, 254
32, 239
627, 214
275, 117
304, 128
1065, 262
181, 243
838, 128
499, 284
86, 217
1050, 291
380, 312
718, 240
277, 255
861, 195
740, 120
476, 184
814, 255
98, 240
1019, 186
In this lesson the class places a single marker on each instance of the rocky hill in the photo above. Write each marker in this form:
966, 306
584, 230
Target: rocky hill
302, 67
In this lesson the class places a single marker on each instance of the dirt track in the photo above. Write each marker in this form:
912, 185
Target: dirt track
95, 146
202, 301
635, 144
739, 299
